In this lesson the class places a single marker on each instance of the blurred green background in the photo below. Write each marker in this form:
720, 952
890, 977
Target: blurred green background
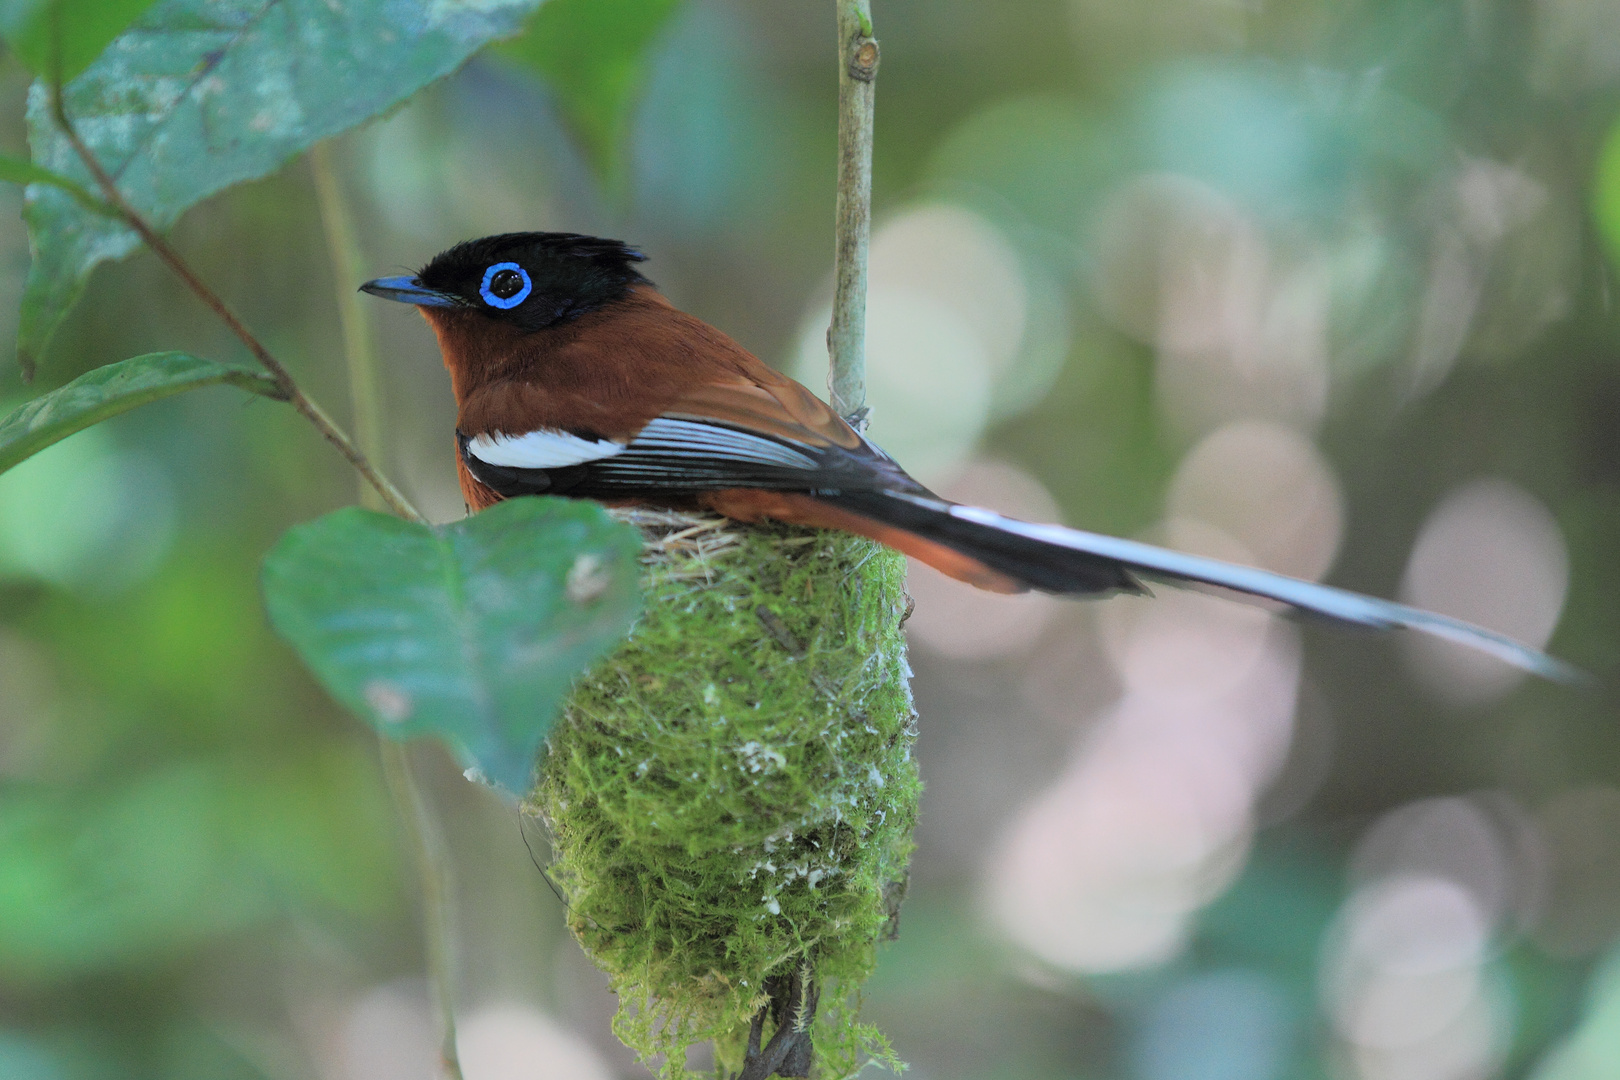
1320, 285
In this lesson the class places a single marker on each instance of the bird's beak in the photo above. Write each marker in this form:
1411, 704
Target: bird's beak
409, 291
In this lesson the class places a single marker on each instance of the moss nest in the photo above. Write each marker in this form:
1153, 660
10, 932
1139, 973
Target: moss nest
731, 795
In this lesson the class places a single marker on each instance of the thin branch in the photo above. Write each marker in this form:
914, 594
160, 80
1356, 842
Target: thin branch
846, 337
431, 856
426, 841
390, 495
359, 345
792, 1006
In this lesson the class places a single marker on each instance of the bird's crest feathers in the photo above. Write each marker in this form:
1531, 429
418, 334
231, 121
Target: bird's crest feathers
557, 276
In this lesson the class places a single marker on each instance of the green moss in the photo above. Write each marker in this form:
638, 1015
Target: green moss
733, 790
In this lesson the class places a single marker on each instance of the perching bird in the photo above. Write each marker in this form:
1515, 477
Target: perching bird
574, 376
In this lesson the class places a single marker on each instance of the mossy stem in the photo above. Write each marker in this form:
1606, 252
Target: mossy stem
287, 386
427, 846
846, 336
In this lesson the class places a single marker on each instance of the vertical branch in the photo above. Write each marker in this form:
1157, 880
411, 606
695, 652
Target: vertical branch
359, 347
432, 861
428, 851
846, 337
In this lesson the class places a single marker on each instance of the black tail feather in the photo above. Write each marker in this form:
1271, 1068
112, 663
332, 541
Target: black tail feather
1071, 562
1035, 563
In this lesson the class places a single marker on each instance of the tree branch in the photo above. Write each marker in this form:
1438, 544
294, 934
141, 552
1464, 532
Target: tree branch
432, 859
793, 1007
846, 337
390, 495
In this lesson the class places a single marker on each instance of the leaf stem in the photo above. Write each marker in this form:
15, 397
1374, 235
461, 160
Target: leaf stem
391, 496
846, 338
432, 858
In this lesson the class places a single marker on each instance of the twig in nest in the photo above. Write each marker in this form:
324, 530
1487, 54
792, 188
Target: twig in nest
793, 1007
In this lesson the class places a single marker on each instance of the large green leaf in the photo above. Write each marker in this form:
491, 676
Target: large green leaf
80, 29
471, 632
592, 53
108, 391
63, 36
202, 94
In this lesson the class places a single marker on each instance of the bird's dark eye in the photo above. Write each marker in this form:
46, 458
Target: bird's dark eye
505, 285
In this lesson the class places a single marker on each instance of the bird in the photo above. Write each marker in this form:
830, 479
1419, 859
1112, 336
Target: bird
574, 376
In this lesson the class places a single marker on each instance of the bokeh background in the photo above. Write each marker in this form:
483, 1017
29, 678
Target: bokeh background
1318, 284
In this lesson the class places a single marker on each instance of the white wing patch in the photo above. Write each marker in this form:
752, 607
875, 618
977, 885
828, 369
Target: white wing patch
544, 448
667, 446
670, 437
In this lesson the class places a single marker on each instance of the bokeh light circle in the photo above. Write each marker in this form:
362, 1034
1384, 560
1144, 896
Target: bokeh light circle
1490, 553
946, 312
1269, 488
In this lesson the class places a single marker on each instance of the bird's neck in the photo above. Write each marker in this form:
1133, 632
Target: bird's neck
478, 351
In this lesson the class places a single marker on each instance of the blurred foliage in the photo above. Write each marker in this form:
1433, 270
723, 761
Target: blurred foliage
192, 836
179, 856
593, 56
1606, 193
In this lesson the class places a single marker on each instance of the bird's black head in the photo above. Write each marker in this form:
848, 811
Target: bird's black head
530, 280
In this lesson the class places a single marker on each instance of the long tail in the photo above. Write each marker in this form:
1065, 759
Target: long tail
1055, 559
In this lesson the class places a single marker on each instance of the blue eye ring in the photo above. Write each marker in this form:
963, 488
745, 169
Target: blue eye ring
511, 301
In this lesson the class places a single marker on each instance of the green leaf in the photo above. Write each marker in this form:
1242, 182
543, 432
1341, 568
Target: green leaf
86, 27
15, 171
202, 94
108, 391
592, 53
1606, 192
471, 632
